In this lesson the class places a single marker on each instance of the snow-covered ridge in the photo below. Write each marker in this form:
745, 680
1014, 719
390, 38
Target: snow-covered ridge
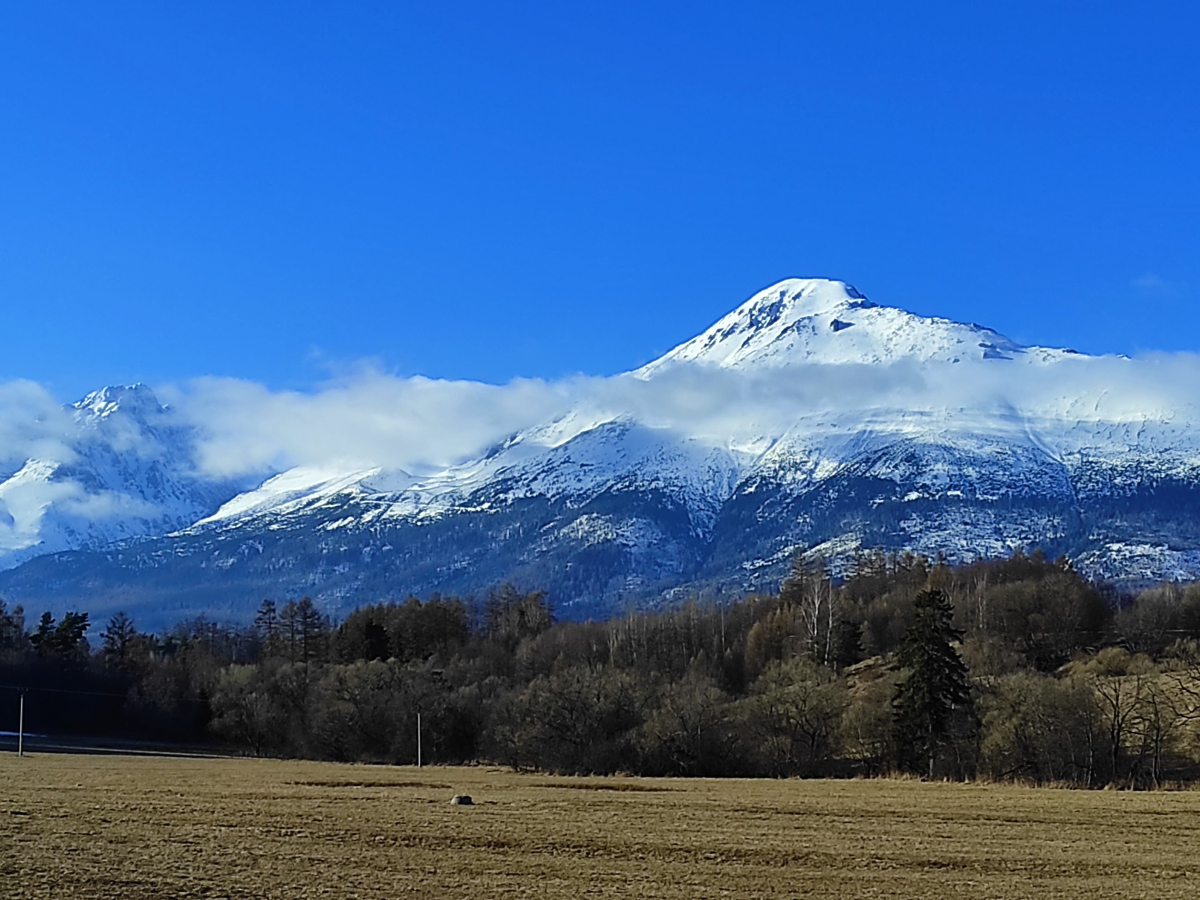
813, 320
132, 400
126, 471
797, 322
789, 423
543, 464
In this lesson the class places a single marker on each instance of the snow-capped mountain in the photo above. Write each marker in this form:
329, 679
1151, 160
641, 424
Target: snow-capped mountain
122, 469
804, 320
809, 419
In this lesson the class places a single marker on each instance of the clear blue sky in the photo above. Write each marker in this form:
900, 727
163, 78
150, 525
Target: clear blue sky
485, 190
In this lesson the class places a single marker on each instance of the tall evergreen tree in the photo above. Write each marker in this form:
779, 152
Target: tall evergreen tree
118, 639
266, 626
64, 639
289, 629
934, 690
42, 638
12, 628
69, 637
311, 628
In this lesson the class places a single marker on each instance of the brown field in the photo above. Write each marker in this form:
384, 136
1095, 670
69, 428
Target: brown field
123, 827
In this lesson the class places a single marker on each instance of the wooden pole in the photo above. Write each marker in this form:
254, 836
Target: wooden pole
418, 740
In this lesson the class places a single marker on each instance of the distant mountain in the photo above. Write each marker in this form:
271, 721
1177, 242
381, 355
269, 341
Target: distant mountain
124, 469
839, 425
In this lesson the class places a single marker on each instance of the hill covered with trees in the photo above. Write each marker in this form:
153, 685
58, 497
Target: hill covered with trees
1009, 669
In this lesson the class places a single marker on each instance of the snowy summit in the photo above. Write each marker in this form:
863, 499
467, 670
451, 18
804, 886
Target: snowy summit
704, 472
816, 320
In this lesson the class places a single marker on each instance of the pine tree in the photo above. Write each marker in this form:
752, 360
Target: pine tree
266, 625
42, 638
289, 629
64, 639
934, 689
118, 639
69, 637
311, 627
12, 628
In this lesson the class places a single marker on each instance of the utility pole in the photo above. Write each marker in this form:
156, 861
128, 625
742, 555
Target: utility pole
21, 727
418, 740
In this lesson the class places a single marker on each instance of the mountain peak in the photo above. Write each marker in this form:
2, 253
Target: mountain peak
794, 299
131, 398
818, 320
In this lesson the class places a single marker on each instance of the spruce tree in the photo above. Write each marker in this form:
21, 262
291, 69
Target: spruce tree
311, 628
266, 626
69, 640
43, 638
12, 628
118, 639
934, 689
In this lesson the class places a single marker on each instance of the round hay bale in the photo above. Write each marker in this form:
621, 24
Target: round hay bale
461, 800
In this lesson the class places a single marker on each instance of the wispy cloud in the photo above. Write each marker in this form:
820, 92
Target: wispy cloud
370, 418
367, 417
32, 424
421, 424
1152, 284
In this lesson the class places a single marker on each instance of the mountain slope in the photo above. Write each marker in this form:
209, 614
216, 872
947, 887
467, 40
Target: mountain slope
125, 470
806, 320
809, 419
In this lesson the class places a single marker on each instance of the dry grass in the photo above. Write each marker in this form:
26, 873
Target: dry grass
131, 828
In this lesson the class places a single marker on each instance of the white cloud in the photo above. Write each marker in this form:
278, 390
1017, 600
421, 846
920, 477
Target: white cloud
421, 424
1152, 284
32, 424
364, 420
368, 418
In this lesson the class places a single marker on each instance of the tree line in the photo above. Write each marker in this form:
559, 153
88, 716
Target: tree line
1005, 669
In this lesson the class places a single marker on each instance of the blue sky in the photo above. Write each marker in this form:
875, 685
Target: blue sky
275, 191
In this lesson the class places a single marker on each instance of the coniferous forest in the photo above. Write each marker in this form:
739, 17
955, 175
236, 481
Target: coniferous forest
1006, 669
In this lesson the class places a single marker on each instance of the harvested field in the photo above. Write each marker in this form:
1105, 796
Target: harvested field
121, 827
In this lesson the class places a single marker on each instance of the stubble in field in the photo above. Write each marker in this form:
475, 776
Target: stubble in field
132, 828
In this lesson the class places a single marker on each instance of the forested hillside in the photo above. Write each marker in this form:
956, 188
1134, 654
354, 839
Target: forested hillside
1060, 682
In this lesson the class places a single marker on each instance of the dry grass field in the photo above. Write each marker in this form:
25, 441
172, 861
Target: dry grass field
91, 827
